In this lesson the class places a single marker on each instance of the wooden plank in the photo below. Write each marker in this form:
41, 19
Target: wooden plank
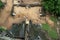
24, 5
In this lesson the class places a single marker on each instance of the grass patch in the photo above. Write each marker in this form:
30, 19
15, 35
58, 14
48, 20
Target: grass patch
2, 28
51, 32
45, 26
53, 19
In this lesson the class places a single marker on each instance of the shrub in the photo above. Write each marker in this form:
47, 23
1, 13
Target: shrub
51, 32
1, 4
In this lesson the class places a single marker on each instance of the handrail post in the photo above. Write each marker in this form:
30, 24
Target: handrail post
26, 29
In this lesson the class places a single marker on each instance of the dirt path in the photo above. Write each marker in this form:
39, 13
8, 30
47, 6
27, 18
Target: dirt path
6, 11
30, 13
5, 14
30, 1
49, 21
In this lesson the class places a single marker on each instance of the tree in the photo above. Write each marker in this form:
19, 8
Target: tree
58, 8
52, 6
1, 4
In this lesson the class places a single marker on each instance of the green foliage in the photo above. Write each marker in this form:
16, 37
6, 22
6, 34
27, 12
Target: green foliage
58, 8
52, 6
48, 5
1, 4
2, 28
51, 32
53, 19
46, 27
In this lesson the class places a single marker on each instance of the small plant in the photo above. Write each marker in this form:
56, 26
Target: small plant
50, 31
1, 4
2, 28
53, 19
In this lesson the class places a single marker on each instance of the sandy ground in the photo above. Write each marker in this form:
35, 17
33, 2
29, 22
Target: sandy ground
28, 1
22, 13
29, 13
5, 12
